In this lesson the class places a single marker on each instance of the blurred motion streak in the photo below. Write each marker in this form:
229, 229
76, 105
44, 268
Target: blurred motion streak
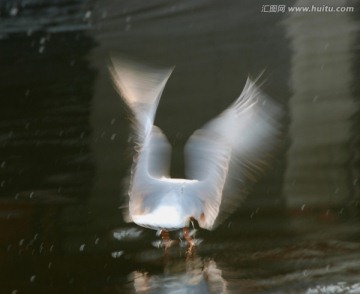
221, 159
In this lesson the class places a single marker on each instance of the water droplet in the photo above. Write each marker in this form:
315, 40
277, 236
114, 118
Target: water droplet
42, 41
14, 292
113, 137
14, 11
303, 207
87, 15
157, 244
2, 184
32, 279
127, 234
41, 248
82, 247
3, 164
97, 241
41, 49
21, 242
31, 195
27, 92
50, 265
113, 121
116, 254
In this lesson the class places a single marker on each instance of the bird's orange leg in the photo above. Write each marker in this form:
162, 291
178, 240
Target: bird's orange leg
189, 241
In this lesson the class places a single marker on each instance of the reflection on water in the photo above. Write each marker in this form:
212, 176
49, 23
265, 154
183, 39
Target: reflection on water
235, 260
340, 287
64, 146
321, 107
192, 276
31, 16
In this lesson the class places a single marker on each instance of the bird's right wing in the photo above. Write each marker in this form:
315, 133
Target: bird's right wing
232, 151
207, 160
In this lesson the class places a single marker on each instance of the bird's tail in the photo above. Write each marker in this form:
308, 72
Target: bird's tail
140, 87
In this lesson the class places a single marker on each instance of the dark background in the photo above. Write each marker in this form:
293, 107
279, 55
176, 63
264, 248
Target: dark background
64, 152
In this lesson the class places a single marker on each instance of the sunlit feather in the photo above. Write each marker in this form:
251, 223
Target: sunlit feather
225, 155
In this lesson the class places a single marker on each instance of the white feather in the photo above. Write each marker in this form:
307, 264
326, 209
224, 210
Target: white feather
247, 132
221, 158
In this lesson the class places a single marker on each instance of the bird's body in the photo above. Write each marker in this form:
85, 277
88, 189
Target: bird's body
221, 158
174, 209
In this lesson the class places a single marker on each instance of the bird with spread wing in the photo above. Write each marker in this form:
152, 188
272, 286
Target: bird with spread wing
221, 158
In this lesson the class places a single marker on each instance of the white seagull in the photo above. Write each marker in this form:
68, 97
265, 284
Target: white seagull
221, 159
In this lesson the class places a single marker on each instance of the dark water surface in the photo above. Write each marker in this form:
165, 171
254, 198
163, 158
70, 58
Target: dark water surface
64, 153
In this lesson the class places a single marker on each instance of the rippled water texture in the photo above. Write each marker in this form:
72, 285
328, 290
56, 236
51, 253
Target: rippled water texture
65, 153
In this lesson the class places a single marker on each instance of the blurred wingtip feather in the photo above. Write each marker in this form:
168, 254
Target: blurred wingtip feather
140, 86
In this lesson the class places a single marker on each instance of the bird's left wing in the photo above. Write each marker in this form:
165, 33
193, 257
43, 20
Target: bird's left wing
140, 87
